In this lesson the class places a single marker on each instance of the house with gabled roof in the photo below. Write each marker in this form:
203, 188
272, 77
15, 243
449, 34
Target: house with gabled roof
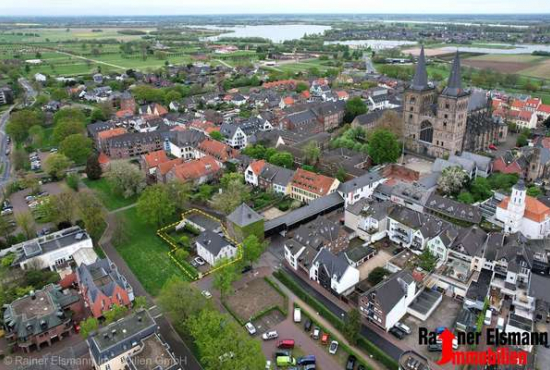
333, 272
213, 248
244, 221
386, 303
102, 286
307, 186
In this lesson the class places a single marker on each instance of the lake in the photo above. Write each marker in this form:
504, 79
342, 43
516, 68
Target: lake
275, 33
373, 44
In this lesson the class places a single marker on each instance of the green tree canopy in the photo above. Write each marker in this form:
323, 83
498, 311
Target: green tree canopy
66, 128
155, 206
383, 147
56, 164
76, 147
354, 107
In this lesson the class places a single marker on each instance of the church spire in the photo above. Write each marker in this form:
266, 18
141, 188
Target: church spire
454, 85
420, 80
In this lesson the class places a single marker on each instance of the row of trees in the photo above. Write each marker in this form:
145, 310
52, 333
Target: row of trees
272, 155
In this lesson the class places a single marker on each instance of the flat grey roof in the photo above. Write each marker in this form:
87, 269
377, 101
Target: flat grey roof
425, 301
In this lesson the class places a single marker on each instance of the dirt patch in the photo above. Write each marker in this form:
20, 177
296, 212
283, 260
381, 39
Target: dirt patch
271, 213
254, 298
541, 71
428, 52
503, 67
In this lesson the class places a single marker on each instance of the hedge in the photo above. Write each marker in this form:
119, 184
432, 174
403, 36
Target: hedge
334, 320
275, 286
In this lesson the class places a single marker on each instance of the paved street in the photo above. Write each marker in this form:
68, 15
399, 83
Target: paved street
4, 159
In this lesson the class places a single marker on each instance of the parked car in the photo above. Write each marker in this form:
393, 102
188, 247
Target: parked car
297, 314
268, 365
350, 364
333, 347
306, 360
286, 361
286, 344
397, 333
324, 338
488, 317
316, 333
250, 328
307, 325
434, 347
281, 352
206, 294
404, 328
270, 335
199, 261
29, 198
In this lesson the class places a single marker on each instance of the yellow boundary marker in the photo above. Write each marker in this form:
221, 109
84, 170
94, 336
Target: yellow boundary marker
173, 247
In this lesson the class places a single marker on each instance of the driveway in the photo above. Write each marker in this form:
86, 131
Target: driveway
288, 330
379, 260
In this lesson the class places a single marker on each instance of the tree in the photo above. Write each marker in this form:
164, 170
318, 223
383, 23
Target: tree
216, 135
383, 147
92, 213
115, 313
354, 107
125, 179
282, 159
341, 174
56, 164
88, 326
427, 260
20, 122
392, 121
76, 147
301, 87
522, 140
352, 326
26, 222
452, 180
225, 276
73, 114
97, 115
93, 168
230, 177
66, 128
181, 254
5, 229
480, 189
180, 300
59, 94
140, 302
20, 159
216, 335
311, 153
252, 249
155, 206
377, 275
36, 133
60, 208
534, 191
233, 195
180, 193
465, 197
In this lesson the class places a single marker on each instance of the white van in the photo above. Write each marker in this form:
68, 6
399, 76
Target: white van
488, 317
404, 328
500, 323
297, 314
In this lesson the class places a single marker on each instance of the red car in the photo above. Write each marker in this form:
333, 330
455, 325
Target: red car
286, 343
324, 338
493, 147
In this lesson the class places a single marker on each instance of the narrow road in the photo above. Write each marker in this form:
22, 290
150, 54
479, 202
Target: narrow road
225, 63
167, 331
5, 163
30, 92
91, 60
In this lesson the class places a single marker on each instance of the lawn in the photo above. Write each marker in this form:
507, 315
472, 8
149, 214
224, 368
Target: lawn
146, 254
109, 199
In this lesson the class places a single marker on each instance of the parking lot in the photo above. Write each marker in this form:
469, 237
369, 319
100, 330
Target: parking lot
444, 315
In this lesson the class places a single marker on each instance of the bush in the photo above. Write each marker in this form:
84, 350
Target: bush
73, 181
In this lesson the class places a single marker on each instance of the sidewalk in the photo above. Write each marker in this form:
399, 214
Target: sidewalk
293, 298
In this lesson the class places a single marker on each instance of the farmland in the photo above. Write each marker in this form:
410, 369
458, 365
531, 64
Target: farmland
526, 65
32, 35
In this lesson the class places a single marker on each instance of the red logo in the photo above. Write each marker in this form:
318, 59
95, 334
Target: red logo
502, 356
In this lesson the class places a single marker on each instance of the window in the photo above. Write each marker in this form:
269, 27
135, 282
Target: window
447, 106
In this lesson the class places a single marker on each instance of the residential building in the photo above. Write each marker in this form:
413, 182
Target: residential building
6, 95
131, 343
41, 317
253, 171
102, 286
222, 152
360, 187
307, 186
183, 144
212, 247
134, 144
243, 222
333, 273
386, 303
369, 219
55, 251
151, 161
275, 178
198, 171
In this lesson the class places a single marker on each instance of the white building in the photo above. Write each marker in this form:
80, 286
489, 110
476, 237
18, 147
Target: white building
525, 214
368, 220
183, 144
334, 272
39, 77
253, 171
56, 250
212, 247
359, 188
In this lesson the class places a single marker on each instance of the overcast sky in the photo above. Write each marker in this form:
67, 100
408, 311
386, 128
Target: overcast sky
184, 7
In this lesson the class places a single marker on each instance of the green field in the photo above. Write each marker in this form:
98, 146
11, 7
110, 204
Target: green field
108, 198
61, 34
146, 254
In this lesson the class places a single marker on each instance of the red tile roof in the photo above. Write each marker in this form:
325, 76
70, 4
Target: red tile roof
544, 108
525, 115
165, 167
153, 159
306, 94
217, 149
257, 166
124, 113
499, 165
342, 94
107, 134
103, 158
533, 102
160, 109
288, 100
518, 104
535, 210
312, 182
196, 169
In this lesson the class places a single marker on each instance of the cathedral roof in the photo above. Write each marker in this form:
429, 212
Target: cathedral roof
454, 85
420, 80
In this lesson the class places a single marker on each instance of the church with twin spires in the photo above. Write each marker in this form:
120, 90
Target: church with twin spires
449, 122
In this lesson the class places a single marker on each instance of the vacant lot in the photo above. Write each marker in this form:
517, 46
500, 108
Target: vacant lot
110, 200
541, 70
503, 67
253, 298
146, 254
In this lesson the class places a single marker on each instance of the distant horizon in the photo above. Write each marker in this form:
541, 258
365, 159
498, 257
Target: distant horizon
174, 8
